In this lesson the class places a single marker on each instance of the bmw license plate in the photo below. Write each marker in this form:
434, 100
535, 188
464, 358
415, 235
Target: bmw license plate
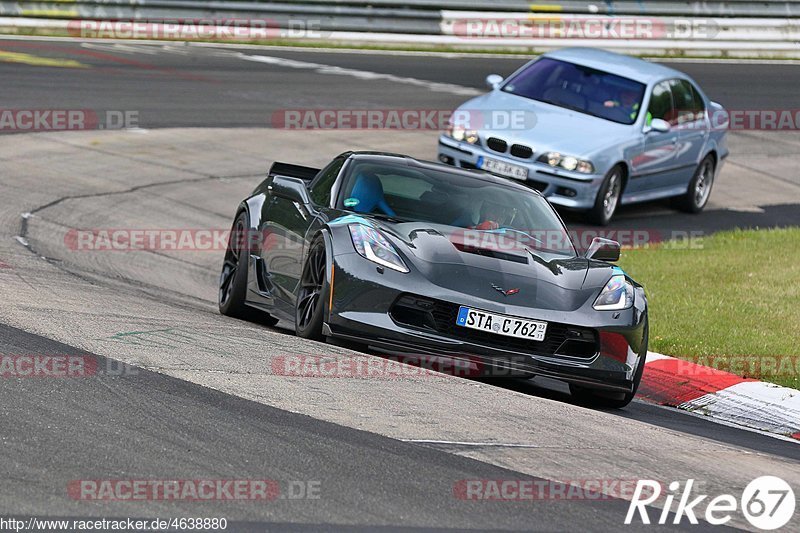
510, 326
501, 167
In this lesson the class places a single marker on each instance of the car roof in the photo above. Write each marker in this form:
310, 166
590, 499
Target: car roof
395, 158
613, 63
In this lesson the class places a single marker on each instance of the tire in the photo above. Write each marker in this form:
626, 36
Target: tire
233, 278
313, 294
699, 190
613, 400
608, 197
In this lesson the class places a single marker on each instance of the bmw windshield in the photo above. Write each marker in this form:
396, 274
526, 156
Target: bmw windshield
425, 194
579, 88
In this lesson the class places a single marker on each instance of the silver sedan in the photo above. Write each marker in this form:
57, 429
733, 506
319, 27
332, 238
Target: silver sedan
593, 130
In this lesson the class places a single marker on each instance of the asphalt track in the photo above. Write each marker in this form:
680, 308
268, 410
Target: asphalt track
124, 421
179, 85
202, 401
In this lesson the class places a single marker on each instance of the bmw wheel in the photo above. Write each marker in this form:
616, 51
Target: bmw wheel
699, 191
607, 198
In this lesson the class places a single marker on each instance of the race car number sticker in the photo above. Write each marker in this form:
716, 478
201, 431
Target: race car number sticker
509, 326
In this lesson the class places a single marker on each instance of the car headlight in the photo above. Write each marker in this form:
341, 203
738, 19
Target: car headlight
371, 245
567, 162
616, 295
461, 134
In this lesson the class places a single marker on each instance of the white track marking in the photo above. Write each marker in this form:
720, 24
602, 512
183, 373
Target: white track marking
363, 74
122, 48
653, 356
755, 404
461, 443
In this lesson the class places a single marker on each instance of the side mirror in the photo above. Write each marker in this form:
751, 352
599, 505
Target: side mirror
494, 81
293, 189
603, 250
659, 125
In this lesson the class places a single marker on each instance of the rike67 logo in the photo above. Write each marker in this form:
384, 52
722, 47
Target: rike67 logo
767, 502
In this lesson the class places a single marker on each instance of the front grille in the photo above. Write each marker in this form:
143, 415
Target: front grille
498, 145
521, 151
436, 315
467, 164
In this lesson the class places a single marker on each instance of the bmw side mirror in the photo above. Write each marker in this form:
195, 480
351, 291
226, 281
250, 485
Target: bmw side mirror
659, 125
293, 189
603, 250
494, 81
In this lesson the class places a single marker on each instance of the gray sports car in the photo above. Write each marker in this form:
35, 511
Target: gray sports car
419, 258
604, 130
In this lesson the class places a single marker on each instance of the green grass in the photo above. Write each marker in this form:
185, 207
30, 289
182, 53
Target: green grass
732, 298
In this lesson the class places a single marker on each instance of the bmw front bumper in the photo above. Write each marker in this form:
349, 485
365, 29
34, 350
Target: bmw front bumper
561, 187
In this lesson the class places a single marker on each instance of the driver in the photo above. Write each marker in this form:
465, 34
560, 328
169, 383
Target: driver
628, 103
494, 215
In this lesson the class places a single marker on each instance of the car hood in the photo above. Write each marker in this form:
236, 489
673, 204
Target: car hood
546, 127
544, 280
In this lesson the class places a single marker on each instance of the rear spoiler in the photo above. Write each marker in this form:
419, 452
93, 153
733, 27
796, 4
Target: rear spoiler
293, 171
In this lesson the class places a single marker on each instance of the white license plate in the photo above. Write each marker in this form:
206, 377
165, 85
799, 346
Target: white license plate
510, 326
501, 167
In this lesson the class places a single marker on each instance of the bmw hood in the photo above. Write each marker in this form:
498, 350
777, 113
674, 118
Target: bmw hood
504, 271
542, 126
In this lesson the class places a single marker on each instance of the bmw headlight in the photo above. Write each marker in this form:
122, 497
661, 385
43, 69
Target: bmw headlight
567, 162
616, 295
371, 245
461, 134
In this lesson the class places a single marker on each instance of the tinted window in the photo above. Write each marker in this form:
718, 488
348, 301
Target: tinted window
686, 107
428, 194
579, 88
699, 103
321, 187
661, 103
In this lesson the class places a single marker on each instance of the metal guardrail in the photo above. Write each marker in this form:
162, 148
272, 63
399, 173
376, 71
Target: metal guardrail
326, 19
718, 8
415, 22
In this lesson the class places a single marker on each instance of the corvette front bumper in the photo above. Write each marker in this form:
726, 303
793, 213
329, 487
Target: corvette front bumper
364, 306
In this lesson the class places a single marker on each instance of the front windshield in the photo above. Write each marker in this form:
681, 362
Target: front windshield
579, 88
424, 194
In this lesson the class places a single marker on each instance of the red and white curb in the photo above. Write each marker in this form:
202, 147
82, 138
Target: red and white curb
720, 395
